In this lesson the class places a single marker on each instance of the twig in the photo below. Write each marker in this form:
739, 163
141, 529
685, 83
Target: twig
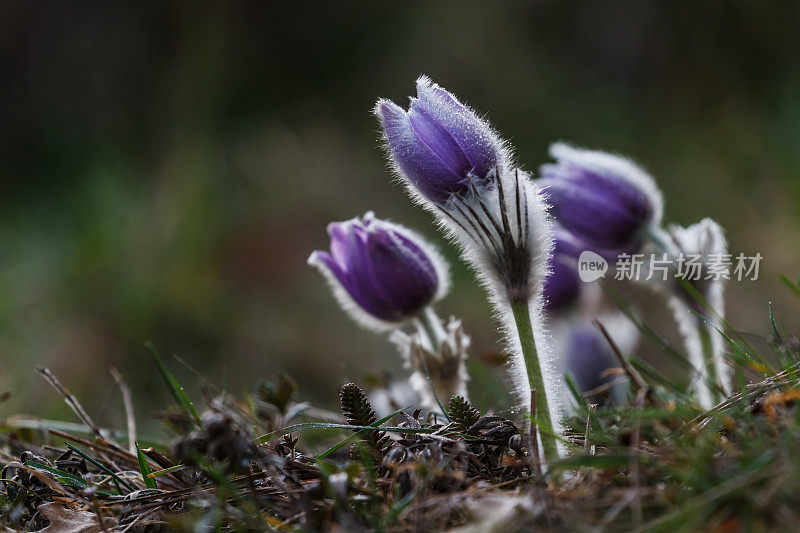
119, 453
761, 386
636, 378
70, 400
605, 387
129, 414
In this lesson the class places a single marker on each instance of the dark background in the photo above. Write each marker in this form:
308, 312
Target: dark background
166, 167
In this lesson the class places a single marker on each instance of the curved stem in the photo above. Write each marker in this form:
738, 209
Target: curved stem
711, 374
542, 420
430, 328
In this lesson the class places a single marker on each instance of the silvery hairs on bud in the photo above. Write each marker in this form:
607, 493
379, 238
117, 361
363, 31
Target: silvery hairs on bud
456, 166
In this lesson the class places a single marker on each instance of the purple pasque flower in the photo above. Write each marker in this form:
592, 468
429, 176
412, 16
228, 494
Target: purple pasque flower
381, 273
439, 145
455, 166
603, 198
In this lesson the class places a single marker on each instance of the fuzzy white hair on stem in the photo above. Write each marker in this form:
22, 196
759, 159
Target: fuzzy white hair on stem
504, 233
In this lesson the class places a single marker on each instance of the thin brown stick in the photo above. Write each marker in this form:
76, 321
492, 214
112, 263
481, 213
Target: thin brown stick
767, 384
128, 403
70, 400
636, 378
103, 448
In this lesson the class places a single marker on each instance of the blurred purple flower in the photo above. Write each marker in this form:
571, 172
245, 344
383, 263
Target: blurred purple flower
439, 145
381, 273
588, 357
605, 199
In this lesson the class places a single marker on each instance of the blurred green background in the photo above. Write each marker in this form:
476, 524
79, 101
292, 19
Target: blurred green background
166, 167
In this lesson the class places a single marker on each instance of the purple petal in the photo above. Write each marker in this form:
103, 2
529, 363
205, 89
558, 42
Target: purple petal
365, 286
427, 171
595, 213
471, 133
438, 140
339, 236
404, 281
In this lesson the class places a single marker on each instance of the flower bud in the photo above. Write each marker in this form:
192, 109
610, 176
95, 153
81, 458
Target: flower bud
439, 144
382, 273
443, 371
603, 198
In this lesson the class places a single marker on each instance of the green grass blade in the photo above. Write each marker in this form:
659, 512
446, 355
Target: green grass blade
575, 390
750, 354
61, 476
593, 461
326, 425
792, 286
644, 328
166, 471
144, 468
355, 436
644, 368
172, 384
118, 480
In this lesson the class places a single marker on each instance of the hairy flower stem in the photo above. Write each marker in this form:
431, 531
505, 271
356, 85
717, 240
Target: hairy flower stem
430, 328
542, 421
711, 375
